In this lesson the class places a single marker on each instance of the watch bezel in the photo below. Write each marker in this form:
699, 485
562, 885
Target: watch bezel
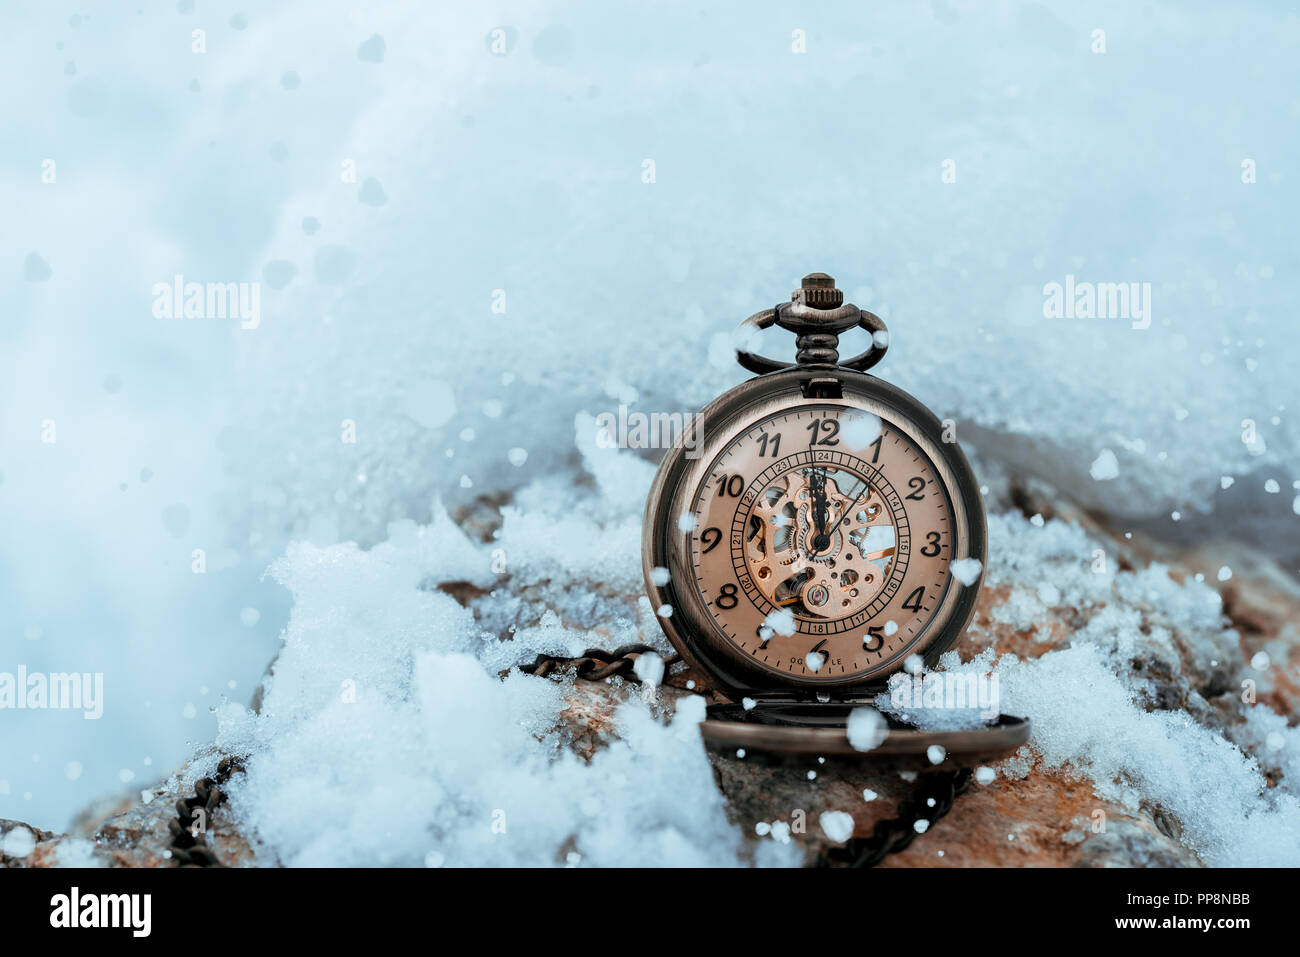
690, 628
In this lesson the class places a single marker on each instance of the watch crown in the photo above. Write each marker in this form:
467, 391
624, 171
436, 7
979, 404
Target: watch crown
818, 291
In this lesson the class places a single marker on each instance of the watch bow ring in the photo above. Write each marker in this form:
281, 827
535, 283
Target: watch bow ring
818, 315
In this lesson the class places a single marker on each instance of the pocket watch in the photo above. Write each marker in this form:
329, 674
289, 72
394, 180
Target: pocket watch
801, 536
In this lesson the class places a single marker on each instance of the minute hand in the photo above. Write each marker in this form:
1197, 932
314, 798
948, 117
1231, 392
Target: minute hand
821, 512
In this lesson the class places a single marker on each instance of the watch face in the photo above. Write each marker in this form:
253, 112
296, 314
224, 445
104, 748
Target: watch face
819, 539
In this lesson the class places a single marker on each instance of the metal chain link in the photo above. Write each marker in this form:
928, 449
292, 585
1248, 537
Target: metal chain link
594, 664
892, 835
189, 849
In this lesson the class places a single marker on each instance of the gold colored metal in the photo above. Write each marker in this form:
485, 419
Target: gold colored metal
781, 539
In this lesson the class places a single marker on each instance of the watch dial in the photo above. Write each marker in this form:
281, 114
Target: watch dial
820, 540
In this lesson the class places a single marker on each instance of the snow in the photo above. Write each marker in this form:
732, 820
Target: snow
523, 177
18, 841
1095, 716
936, 707
383, 738
781, 621
385, 735
1105, 467
649, 667
966, 570
1085, 718
859, 431
837, 825
867, 729
77, 852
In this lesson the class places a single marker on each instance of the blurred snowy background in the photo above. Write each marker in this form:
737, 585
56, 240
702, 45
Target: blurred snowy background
390, 172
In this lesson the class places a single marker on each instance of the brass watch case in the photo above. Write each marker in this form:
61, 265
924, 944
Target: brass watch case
789, 714
691, 628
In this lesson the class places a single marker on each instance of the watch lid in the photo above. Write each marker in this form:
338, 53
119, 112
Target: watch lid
802, 728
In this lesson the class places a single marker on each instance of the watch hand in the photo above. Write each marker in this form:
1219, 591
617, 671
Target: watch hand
822, 540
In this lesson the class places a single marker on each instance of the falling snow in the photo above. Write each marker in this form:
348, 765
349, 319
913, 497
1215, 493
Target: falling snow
320, 445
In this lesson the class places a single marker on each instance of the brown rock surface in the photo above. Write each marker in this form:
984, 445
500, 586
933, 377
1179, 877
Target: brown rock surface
131, 830
1026, 816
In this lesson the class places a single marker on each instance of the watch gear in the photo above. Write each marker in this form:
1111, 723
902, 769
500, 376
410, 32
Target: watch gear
781, 538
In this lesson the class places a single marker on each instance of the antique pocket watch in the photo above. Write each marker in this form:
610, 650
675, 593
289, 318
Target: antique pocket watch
803, 538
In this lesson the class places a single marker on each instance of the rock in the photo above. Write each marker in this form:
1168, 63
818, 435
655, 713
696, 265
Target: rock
18, 843
1042, 820
1027, 815
132, 830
